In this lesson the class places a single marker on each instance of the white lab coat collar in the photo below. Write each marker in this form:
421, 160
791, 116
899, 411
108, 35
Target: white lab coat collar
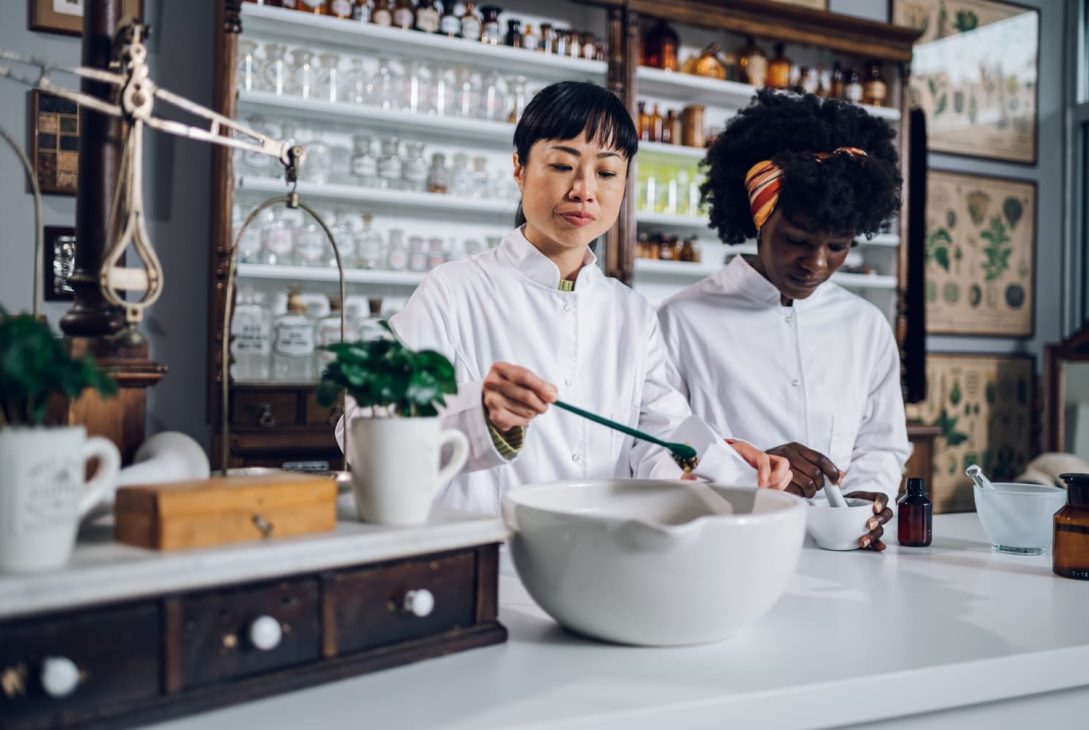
517, 250
740, 275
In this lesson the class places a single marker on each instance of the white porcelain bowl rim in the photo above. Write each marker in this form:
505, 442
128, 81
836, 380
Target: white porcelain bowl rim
1021, 489
520, 498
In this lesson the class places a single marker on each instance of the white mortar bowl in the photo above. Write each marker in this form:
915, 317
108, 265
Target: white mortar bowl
643, 562
839, 528
1018, 518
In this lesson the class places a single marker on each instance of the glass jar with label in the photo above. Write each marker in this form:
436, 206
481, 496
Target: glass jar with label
382, 13
415, 168
362, 10
416, 88
274, 73
438, 179
248, 75
852, 91
318, 162
310, 243
417, 254
340, 8
442, 91
249, 246
436, 252
293, 344
837, 82
251, 338
874, 90
490, 31
356, 84
588, 46
514, 33
517, 97
387, 85
547, 43
403, 15
278, 239
329, 77
390, 166
471, 25
427, 17
341, 226
327, 333
808, 80
304, 73
478, 186
779, 69
368, 244
364, 164
530, 41
449, 23
559, 45
461, 179
396, 250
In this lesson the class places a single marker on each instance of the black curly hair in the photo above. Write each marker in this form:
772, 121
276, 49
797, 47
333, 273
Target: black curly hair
840, 194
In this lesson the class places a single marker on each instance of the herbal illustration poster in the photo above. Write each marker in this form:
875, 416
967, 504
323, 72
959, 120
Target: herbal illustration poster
974, 73
980, 255
983, 406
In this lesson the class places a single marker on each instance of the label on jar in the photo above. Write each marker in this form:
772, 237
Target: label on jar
294, 339
397, 259
362, 12
449, 25
427, 20
402, 18
250, 337
389, 168
529, 42
382, 17
490, 34
311, 5
364, 166
309, 247
416, 171
278, 240
853, 93
471, 27
341, 8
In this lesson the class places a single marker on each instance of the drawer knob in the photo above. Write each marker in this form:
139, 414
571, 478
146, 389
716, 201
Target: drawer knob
265, 633
60, 676
419, 603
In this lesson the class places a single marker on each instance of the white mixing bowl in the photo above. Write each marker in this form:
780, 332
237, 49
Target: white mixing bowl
1018, 518
644, 563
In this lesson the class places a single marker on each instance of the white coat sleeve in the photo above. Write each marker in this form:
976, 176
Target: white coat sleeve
881, 447
425, 324
663, 410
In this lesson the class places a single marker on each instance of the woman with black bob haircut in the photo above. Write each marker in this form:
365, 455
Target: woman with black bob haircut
535, 319
768, 343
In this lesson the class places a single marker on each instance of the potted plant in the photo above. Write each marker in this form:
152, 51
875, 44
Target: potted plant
43, 492
395, 449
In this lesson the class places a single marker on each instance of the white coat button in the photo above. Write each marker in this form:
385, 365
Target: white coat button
789, 319
566, 307
60, 676
568, 382
795, 382
575, 458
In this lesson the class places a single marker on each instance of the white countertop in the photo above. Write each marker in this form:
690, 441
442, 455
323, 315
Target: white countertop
103, 571
858, 637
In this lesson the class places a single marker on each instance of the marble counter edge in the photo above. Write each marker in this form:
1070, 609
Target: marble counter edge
109, 572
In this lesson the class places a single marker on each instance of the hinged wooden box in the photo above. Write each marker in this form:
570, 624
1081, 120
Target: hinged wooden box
224, 510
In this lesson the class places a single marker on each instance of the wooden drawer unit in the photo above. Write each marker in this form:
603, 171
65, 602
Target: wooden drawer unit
227, 634
74, 668
402, 601
319, 415
265, 408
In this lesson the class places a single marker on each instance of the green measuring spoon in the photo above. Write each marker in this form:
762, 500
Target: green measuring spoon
685, 456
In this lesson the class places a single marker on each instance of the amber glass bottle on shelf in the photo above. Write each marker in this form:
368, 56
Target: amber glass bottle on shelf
874, 89
838, 82
660, 47
915, 515
1070, 550
642, 122
753, 64
655, 124
779, 70
708, 64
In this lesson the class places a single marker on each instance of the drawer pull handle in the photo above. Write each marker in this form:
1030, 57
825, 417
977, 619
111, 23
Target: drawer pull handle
265, 633
60, 676
265, 417
419, 603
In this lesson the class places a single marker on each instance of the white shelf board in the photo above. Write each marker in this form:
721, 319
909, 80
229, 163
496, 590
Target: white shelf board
388, 199
683, 87
672, 221
265, 22
686, 270
498, 134
325, 274
881, 239
657, 149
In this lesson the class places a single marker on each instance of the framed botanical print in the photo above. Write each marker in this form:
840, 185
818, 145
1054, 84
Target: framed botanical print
983, 405
980, 255
66, 16
974, 72
54, 142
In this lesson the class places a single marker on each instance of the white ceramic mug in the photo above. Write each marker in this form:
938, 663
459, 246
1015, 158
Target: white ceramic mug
43, 493
395, 466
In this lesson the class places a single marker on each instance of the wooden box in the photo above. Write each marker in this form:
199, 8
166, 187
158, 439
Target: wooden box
224, 510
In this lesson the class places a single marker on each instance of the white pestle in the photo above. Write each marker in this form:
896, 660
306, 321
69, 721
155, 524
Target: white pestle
835, 496
715, 503
976, 474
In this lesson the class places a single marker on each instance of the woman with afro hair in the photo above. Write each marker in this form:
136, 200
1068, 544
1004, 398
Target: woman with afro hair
768, 345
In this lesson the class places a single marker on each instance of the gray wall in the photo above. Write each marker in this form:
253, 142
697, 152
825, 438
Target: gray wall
176, 198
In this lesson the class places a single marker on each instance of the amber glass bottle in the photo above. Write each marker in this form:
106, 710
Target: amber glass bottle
660, 47
1070, 551
779, 70
753, 64
838, 82
656, 119
642, 122
914, 515
874, 89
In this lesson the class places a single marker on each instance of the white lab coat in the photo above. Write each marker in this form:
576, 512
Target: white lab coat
824, 372
599, 345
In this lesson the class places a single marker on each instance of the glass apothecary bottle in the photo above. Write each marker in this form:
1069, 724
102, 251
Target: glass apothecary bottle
660, 47
368, 245
449, 23
390, 165
417, 254
837, 83
808, 81
709, 64
248, 67
874, 89
471, 25
416, 86
461, 178
1070, 550
517, 97
356, 86
493, 102
404, 16
914, 515
490, 31
779, 69
342, 9
318, 162
327, 332
278, 239
438, 179
329, 81
293, 344
249, 246
364, 164
530, 39
362, 10
478, 187
314, 7
436, 253
383, 13
414, 168
310, 243
274, 73
304, 73
514, 33
753, 64
387, 85
396, 250
442, 91
427, 17
852, 90
548, 39
251, 337
466, 92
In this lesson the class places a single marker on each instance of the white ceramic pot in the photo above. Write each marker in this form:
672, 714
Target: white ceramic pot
396, 473
838, 528
43, 493
1018, 518
644, 562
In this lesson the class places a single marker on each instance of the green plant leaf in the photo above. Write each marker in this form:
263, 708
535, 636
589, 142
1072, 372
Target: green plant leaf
941, 256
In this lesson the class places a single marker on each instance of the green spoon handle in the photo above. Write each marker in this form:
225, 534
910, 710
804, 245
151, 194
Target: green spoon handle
635, 433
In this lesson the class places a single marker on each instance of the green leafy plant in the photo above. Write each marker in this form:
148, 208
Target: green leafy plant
384, 374
937, 247
34, 366
966, 21
997, 249
948, 426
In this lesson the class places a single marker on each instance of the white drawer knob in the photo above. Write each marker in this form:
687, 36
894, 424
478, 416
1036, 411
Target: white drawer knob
419, 603
60, 676
265, 633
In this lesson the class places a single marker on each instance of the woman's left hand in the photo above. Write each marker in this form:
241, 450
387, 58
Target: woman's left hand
881, 514
772, 472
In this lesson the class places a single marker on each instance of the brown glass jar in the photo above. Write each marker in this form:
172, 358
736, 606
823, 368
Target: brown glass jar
779, 70
654, 134
671, 128
753, 64
708, 64
914, 516
692, 126
642, 122
1070, 550
669, 250
660, 46
874, 90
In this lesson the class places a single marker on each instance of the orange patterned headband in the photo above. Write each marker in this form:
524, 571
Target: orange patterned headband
765, 178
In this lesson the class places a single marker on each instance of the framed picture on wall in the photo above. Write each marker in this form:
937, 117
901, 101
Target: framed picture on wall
983, 405
59, 251
980, 255
66, 16
974, 72
54, 142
